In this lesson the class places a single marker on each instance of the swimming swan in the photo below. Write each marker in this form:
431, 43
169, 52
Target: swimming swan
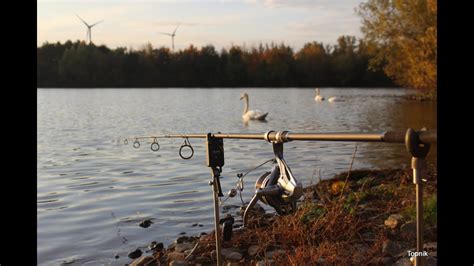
335, 99
318, 97
252, 114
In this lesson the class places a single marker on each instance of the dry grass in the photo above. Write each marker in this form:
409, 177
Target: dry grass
334, 224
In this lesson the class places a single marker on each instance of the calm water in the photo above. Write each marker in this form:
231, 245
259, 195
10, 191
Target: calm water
93, 190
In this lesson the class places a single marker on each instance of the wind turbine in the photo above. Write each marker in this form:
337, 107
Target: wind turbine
89, 27
172, 36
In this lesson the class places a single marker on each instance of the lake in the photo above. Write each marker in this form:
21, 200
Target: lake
93, 191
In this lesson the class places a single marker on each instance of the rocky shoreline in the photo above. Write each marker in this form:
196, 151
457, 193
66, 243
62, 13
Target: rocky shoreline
421, 97
362, 217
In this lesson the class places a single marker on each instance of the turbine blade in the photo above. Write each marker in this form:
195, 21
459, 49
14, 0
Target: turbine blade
176, 28
82, 20
96, 23
166, 34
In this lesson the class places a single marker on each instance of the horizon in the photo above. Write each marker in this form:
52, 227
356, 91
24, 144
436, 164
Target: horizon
219, 23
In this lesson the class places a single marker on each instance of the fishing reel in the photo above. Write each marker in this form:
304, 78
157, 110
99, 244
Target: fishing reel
277, 188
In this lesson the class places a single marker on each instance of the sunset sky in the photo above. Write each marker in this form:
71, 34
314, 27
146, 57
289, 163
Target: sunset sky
129, 23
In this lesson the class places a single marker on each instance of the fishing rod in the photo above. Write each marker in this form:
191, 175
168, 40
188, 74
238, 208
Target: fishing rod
279, 188
423, 137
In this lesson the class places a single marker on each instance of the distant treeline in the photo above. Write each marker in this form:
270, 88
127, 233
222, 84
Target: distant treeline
77, 64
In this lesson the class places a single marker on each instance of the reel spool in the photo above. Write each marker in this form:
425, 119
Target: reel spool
278, 188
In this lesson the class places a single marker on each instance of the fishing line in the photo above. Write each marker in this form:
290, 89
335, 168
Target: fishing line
240, 183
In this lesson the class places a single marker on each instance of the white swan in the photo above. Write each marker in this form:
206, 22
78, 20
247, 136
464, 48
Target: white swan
252, 114
318, 97
335, 99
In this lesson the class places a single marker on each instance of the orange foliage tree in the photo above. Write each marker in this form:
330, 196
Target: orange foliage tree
402, 35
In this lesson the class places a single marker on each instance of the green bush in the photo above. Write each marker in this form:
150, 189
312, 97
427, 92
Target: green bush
313, 213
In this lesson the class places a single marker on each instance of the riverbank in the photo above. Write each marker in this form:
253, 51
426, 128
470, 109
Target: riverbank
357, 218
423, 97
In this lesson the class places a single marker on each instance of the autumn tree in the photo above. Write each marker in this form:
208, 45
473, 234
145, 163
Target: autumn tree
313, 64
402, 36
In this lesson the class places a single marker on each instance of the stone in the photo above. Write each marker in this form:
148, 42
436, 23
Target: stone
273, 254
403, 262
391, 248
159, 247
226, 251
152, 245
264, 263
386, 261
145, 223
181, 247
178, 263
430, 261
381, 261
256, 209
175, 256
135, 254
253, 249
182, 239
233, 256
142, 261
408, 231
202, 260
430, 246
393, 221
156, 246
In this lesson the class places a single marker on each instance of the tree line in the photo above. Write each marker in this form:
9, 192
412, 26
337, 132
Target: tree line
81, 65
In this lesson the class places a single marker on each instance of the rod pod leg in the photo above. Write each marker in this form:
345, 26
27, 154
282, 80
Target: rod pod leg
215, 192
418, 165
418, 151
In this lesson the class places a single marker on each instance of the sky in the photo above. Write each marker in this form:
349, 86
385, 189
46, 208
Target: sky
222, 23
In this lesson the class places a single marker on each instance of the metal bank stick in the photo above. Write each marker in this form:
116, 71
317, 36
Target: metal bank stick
215, 160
